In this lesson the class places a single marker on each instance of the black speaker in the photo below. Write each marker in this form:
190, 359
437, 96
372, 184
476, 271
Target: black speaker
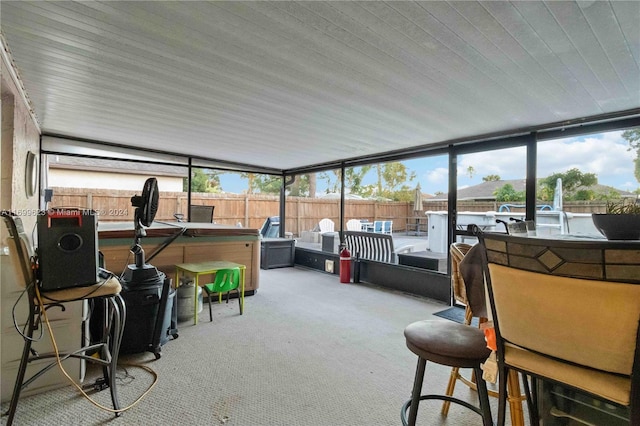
67, 248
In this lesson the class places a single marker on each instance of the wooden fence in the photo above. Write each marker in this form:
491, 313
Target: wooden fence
251, 210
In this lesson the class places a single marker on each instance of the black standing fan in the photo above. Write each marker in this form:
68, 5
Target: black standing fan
147, 293
147, 203
146, 208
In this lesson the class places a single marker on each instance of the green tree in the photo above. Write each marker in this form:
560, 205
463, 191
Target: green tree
607, 194
508, 193
311, 180
572, 179
202, 180
633, 137
353, 178
301, 187
396, 178
332, 179
392, 181
259, 183
491, 178
584, 195
264, 184
471, 171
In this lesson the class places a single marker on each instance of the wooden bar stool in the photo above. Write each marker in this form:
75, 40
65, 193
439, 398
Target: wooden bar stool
451, 344
458, 252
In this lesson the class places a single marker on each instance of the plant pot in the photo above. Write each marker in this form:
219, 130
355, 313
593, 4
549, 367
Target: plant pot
618, 226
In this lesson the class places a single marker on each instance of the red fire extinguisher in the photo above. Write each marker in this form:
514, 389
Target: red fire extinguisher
345, 265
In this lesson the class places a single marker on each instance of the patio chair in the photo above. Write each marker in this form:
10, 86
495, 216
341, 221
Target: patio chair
378, 226
354, 225
567, 312
201, 214
271, 227
39, 301
326, 225
224, 281
387, 227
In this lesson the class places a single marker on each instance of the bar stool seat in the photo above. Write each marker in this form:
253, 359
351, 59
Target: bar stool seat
451, 344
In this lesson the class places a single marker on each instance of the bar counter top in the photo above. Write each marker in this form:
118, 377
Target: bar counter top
110, 230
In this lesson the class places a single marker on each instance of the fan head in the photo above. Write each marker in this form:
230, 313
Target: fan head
147, 203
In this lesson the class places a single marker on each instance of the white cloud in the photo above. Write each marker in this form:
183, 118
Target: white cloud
507, 163
437, 180
628, 186
606, 155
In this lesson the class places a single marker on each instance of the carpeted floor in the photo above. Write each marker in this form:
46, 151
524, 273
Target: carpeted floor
307, 351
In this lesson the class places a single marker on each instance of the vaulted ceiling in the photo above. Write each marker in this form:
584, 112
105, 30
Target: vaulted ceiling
284, 85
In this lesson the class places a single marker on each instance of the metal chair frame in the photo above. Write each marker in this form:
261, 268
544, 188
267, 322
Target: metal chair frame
108, 347
425, 338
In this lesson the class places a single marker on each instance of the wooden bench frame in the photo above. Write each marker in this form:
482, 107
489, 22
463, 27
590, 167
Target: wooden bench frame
370, 246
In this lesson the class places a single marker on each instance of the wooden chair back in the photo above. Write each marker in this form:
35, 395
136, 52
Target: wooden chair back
458, 252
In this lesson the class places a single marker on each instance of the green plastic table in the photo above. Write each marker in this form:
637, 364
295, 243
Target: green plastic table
206, 268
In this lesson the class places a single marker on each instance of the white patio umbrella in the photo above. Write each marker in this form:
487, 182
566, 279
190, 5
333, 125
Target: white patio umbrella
417, 199
557, 196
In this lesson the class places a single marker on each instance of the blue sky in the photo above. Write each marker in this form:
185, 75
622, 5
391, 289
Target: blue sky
604, 154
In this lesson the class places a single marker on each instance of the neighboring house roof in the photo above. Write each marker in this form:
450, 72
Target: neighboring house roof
114, 166
485, 190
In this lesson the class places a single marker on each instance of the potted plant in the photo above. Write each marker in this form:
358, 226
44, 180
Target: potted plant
621, 221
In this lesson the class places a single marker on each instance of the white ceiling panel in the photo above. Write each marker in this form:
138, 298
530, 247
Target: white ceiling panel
284, 85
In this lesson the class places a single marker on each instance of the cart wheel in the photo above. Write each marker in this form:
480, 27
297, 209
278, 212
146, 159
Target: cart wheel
175, 336
158, 355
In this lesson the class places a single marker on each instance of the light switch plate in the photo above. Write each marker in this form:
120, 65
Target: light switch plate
328, 266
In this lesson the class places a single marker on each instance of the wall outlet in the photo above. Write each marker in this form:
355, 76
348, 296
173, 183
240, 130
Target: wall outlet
328, 266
